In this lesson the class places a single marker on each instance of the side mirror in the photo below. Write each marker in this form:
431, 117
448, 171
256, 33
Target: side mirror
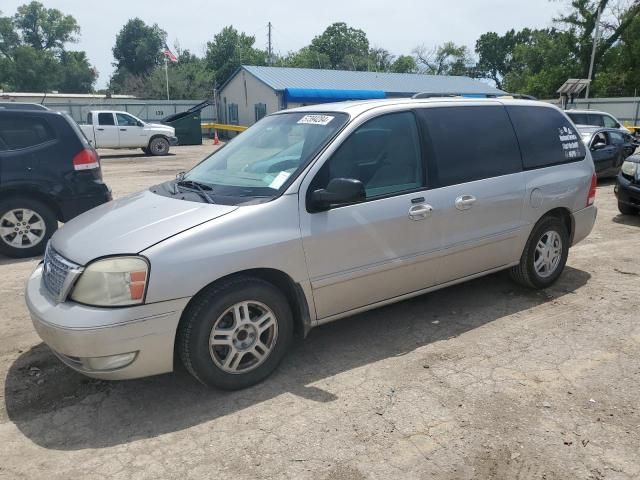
140, 124
338, 192
598, 146
617, 125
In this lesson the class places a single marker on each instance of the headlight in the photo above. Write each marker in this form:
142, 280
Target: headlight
112, 282
629, 168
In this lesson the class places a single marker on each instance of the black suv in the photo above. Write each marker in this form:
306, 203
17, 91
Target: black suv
48, 173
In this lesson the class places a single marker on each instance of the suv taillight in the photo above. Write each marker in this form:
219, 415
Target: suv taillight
86, 159
592, 190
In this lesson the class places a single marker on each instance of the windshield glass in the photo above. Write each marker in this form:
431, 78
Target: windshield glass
260, 160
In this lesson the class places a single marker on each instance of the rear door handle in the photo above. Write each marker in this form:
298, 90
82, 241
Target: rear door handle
420, 212
123, 129
101, 129
465, 202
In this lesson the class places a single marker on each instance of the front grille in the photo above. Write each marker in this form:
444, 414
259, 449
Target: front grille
57, 272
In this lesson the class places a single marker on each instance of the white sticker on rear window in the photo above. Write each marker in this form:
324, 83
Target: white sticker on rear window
316, 119
569, 141
277, 182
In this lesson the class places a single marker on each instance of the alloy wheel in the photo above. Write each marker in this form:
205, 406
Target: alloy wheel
243, 337
22, 228
548, 254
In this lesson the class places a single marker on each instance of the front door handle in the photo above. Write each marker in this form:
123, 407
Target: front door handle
420, 212
465, 202
123, 129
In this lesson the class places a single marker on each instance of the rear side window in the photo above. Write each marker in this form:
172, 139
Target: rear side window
470, 143
105, 119
596, 120
24, 132
579, 118
609, 122
546, 137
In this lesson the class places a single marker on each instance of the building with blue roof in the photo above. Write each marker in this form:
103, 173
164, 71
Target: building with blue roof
253, 92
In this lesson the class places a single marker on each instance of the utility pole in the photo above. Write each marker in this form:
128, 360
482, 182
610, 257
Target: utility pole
270, 47
596, 37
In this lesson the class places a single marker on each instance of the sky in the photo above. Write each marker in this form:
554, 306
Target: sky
398, 25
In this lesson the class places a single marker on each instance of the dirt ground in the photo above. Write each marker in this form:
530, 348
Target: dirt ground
479, 381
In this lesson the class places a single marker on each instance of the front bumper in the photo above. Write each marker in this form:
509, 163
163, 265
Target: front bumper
583, 221
88, 338
626, 192
173, 141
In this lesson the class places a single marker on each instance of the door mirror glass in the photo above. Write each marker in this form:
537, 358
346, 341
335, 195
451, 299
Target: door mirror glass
339, 191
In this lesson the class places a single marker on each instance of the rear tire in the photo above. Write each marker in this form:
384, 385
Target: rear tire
235, 334
627, 209
26, 225
544, 256
159, 146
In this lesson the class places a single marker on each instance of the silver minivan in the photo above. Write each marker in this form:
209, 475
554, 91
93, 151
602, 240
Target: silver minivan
311, 215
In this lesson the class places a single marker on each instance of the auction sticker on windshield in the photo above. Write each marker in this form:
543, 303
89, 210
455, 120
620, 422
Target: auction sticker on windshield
316, 119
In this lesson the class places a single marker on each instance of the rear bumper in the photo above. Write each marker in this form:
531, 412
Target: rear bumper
583, 221
91, 340
73, 206
626, 192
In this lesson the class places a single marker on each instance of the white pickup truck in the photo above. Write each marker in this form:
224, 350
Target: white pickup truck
112, 129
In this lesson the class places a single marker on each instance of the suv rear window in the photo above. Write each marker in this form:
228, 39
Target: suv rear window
546, 137
471, 143
23, 132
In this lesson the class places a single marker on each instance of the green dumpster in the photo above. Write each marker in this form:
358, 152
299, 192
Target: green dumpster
187, 124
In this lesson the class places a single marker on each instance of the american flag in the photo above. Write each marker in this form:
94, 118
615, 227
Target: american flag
169, 54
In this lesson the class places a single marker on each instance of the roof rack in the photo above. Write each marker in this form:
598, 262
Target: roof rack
452, 95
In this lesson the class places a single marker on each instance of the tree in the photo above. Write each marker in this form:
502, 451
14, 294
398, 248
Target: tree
77, 74
380, 60
542, 63
345, 47
138, 47
581, 23
230, 49
447, 59
495, 53
404, 64
33, 55
45, 28
306, 57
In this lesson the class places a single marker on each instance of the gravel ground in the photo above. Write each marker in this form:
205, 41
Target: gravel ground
481, 380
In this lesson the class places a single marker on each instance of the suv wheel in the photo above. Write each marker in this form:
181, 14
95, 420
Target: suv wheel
236, 333
627, 209
159, 146
25, 227
544, 255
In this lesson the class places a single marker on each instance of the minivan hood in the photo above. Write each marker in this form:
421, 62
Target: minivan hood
130, 224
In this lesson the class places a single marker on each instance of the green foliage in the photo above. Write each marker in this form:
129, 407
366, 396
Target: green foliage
345, 47
33, 56
45, 28
404, 64
447, 59
230, 49
138, 47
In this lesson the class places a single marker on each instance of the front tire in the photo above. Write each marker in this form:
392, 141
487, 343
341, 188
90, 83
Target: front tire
627, 209
26, 225
544, 255
236, 333
159, 146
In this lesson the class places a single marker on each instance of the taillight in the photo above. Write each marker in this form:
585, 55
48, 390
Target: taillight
592, 190
86, 159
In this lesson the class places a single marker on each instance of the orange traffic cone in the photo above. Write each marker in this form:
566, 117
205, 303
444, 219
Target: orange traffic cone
216, 140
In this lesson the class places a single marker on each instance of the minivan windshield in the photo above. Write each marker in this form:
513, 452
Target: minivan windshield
260, 160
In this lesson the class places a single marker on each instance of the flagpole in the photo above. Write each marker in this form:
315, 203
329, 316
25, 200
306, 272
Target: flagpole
166, 75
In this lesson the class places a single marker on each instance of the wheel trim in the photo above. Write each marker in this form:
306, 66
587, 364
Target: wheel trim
22, 228
159, 146
548, 254
243, 337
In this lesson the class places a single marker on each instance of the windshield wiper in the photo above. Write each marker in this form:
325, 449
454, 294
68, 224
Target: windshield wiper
197, 186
